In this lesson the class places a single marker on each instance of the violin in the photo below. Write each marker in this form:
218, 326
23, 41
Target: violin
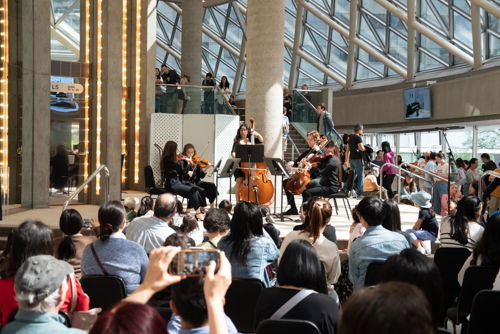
198, 161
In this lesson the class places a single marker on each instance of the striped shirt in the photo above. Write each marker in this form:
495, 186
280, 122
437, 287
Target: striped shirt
475, 232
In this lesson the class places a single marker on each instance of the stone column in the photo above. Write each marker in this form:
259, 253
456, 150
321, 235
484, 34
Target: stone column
192, 20
264, 94
34, 47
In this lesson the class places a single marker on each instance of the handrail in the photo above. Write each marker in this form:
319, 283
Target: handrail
293, 146
425, 172
87, 181
480, 184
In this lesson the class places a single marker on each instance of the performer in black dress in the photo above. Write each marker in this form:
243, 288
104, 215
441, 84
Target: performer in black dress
172, 170
194, 173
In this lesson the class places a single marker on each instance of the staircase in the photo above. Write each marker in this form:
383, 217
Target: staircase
299, 141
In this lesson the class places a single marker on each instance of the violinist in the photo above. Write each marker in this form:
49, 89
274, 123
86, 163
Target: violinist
313, 139
243, 137
328, 181
173, 172
195, 169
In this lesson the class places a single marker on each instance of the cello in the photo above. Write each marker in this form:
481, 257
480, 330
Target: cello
256, 186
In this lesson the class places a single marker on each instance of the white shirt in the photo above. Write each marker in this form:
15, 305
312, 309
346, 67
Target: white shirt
149, 232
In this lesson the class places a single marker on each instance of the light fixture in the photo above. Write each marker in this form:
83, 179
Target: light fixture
4, 96
124, 91
98, 95
137, 109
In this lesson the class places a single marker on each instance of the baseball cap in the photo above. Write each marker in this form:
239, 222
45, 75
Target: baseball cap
41, 275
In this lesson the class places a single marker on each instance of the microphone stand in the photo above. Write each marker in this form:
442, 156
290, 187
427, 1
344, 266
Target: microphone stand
450, 158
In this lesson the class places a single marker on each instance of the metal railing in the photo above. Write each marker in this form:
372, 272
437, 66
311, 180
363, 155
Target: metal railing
294, 147
480, 183
87, 181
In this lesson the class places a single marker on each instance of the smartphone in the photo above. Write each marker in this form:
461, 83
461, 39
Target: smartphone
86, 223
193, 262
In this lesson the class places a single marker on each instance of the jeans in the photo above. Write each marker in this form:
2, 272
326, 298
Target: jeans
359, 174
440, 188
420, 235
157, 103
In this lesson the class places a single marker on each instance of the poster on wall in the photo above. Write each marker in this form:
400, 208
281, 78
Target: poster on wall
417, 103
62, 95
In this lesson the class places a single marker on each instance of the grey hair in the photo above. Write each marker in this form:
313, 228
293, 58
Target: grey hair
27, 300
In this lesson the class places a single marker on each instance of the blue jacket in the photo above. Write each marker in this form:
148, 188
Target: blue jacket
327, 125
376, 244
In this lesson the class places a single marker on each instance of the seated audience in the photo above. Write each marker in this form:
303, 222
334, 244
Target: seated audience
409, 187
146, 207
40, 286
493, 192
455, 196
300, 269
29, 239
356, 229
413, 267
226, 205
463, 229
216, 224
392, 220
178, 217
71, 247
376, 244
370, 185
426, 226
130, 204
191, 228
268, 224
179, 240
113, 254
320, 213
248, 248
151, 232
487, 249
389, 308
329, 231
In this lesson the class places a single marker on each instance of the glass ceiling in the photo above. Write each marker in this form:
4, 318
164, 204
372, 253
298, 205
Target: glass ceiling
442, 34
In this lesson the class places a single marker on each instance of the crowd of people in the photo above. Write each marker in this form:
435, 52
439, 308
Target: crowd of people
172, 94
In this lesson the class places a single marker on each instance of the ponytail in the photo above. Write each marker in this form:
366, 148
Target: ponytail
320, 212
111, 217
105, 230
66, 249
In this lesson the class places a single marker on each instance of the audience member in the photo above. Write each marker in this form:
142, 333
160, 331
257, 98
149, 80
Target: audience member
164, 73
208, 93
151, 232
158, 90
300, 271
320, 213
71, 247
454, 197
409, 187
216, 224
389, 308
287, 102
329, 231
226, 205
268, 224
223, 95
179, 240
182, 96
440, 186
113, 254
488, 164
461, 178
354, 157
324, 123
191, 228
370, 185
487, 249
379, 158
249, 250
285, 126
426, 227
430, 167
392, 220
146, 207
356, 229
376, 244
59, 164
130, 204
412, 267
471, 175
463, 229
40, 287
474, 188
389, 171
493, 192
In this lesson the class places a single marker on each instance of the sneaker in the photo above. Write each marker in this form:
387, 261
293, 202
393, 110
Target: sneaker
291, 212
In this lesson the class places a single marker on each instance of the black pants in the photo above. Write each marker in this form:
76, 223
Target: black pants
315, 189
289, 196
194, 194
210, 190
387, 184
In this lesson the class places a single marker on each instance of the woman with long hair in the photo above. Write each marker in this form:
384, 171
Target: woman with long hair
248, 249
223, 94
320, 213
112, 253
392, 220
439, 187
243, 137
471, 175
146, 207
173, 171
487, 249
194, 173
389, 171
463, 229
300, 269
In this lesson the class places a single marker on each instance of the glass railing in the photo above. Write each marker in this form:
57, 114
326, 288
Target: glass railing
176, 99
304, 116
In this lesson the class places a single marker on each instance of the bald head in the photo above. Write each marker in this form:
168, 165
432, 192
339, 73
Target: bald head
165, 206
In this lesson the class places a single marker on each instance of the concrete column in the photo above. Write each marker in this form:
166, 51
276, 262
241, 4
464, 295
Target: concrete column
192, 20
34, 46
264, 94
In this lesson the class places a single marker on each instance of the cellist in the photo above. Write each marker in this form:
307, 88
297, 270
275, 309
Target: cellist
313, 139
243, 137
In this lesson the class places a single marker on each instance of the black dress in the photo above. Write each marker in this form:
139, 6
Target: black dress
238, 172
194, 194
208, 188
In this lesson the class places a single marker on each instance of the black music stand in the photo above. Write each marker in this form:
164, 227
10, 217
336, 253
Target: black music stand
229, 168
251, 154
277, 168
216, 171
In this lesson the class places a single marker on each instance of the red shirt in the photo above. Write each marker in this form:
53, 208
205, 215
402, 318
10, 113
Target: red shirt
8, 302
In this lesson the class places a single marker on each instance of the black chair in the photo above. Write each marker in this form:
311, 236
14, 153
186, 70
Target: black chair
103, 291
485, 313
476, 278
449, 262
149, 178
287, 326
345, 198
373, 271
241, 300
